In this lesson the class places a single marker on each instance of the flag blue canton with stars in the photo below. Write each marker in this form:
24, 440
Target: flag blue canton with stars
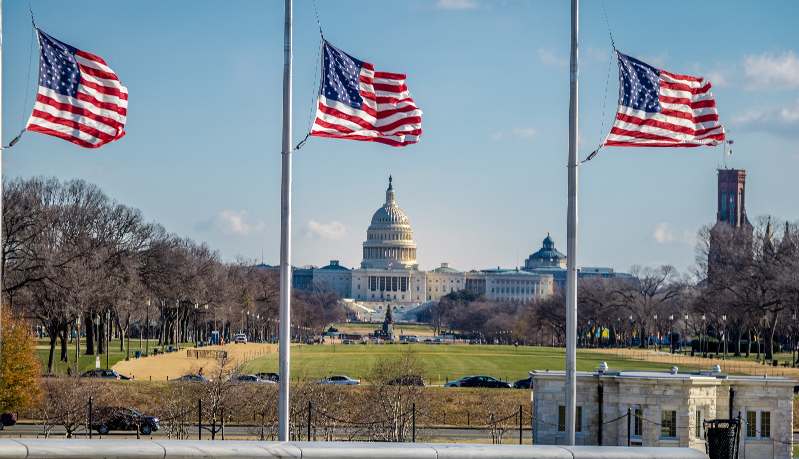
342, 77
60, 71
640, 85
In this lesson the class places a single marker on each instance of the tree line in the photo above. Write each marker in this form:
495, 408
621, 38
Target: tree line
743, 289
78, 262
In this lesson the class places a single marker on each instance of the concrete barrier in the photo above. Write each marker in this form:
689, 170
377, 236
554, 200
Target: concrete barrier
41, 448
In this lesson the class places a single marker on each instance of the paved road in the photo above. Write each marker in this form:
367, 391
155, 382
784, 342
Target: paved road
30, 430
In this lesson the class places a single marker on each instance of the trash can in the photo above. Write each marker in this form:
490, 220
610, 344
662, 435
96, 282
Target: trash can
171, 348
775, 362
722, 437
155, 351
137, 354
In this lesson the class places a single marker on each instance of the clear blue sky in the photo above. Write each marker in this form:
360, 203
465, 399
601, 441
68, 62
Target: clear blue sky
488, 179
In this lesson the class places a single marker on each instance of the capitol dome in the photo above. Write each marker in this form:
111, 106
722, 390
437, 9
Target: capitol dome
389, 239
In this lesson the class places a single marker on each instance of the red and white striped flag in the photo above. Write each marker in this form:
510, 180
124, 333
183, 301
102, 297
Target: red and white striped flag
357, 103
80, 98
662, 109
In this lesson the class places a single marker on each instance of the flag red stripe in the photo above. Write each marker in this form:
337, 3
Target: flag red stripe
365, 138
390, 76
105, 89
90, 56
383, 114
684, 87
98, 73
111, 107
71, 123
688, 102
42, 99
344, 116
67, 137
661, 125
390, 88
680, 77
615, 143
690, 117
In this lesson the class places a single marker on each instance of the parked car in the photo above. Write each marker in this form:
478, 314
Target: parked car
270, 376
240, 338
340, 380
348, 341
118, 418
407, 380
250, 379
100, 373
526, 383
192, 378
478, 381
7, 419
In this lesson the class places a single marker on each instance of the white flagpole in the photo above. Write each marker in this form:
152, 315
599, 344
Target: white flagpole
571, 237
2, 254
285, 237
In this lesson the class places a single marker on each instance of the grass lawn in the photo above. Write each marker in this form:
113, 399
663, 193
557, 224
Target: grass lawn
443, 363
86, 362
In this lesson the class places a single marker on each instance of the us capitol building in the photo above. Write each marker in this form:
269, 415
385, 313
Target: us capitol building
389, 274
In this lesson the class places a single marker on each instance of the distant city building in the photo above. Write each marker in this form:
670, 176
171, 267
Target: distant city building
389, 275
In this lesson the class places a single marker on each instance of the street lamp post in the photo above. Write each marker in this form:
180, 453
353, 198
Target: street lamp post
684, 325
702, 332
724, 332
108, 343
632, 325
657, 329
147, 328
77, 343
196, 309
671, 338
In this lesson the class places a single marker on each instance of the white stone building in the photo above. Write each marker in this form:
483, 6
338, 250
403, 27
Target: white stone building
389, 274
668, 409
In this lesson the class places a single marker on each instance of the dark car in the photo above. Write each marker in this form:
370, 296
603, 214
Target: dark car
118, 418
106, 374
7, 419
269, 376
407, 380
526, 383
478, 381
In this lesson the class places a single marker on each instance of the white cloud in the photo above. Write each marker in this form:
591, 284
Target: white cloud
334, 230
549, 57
665, 233
782, 121
234, 223
769, 72
456, 4
518, 133
522, 133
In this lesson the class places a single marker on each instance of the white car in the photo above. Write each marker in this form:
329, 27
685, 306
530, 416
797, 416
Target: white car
250, 379
340, 380
240, 338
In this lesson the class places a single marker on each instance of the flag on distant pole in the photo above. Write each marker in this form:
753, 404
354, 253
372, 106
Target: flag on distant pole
80, 98
662, 109
358, 103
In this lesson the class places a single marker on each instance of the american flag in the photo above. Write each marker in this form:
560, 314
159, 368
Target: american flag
662, 109
357, 103
80, 98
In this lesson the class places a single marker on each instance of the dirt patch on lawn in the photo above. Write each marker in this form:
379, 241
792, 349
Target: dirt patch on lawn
176, 364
